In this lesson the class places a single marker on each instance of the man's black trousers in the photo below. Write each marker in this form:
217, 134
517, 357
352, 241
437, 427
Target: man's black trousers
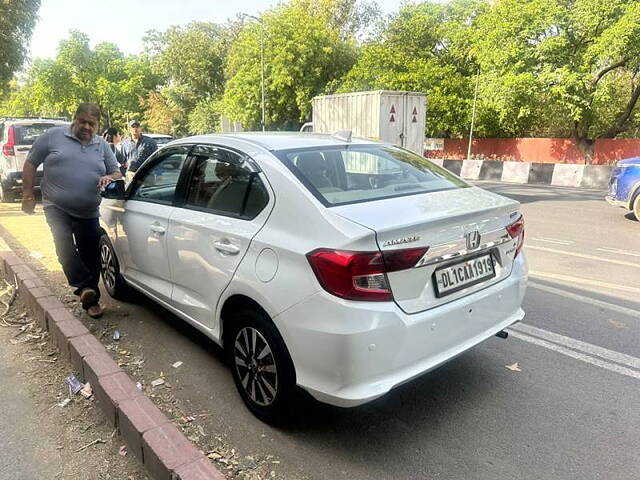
77, 243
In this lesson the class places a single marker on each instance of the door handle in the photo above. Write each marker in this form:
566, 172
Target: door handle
159, 229
226, 248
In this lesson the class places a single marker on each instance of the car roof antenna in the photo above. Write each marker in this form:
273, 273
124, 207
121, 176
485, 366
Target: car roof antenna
344, 135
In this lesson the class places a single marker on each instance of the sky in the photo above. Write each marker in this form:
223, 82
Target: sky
124, 22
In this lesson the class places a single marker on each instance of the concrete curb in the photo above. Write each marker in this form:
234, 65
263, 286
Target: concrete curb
163, 449
557, 174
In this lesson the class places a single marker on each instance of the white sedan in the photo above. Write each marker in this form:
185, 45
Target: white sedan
342, 267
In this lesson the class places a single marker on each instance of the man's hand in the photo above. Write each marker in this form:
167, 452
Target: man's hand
104, 181
28, 202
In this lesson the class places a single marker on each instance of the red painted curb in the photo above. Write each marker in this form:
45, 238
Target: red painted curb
163, 449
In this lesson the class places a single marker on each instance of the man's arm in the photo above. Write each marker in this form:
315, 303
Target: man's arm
28, 195
37, 154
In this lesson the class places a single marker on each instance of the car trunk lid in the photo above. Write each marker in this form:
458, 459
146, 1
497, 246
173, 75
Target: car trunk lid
441, 221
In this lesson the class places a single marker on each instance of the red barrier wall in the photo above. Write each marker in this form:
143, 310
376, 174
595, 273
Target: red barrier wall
541, 150
609, 150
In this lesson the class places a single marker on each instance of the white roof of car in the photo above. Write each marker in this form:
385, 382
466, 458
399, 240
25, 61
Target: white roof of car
276, 140
158, 135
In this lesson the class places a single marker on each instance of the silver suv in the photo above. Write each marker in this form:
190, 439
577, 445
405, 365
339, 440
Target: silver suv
16, 137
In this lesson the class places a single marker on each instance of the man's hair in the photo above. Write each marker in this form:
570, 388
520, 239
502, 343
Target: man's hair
88, 109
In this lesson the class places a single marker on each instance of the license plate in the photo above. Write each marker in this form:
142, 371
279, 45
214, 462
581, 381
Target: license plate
464, 274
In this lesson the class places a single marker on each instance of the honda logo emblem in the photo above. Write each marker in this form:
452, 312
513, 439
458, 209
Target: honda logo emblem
473, 240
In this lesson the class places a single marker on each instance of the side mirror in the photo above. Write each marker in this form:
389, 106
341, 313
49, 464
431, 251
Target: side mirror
115, 190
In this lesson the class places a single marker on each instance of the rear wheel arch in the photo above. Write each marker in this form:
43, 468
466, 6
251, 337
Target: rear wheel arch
236, 303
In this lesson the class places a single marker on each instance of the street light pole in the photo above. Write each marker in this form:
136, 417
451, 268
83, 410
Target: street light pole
261, 63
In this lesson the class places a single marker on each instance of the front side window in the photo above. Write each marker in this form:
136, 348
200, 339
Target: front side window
158, 184
222, 184
357, 173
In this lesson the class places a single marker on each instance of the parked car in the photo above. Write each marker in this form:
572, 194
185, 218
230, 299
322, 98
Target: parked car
345, 267
160, 138
16, 137
624, 185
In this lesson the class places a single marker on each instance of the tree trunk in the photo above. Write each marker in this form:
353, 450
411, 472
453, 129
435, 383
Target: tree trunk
585, 145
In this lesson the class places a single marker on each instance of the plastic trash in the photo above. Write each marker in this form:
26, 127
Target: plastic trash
116, 335
73, 382
157, 382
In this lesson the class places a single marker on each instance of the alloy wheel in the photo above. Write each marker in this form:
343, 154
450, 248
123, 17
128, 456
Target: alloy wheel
255, 365
108, 267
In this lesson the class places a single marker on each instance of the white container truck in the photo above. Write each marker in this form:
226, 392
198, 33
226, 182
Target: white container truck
394, 117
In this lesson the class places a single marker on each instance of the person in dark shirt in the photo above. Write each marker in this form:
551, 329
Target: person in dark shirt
137, 148
113, 137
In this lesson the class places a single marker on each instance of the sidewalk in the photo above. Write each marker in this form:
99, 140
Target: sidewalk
39, 439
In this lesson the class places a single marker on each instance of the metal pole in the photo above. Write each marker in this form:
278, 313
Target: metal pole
262, 68
473, 115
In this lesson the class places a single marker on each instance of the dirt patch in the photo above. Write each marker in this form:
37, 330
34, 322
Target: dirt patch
70, 432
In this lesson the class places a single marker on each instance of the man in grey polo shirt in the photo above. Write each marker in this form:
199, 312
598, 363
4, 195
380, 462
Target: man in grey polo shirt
77, 165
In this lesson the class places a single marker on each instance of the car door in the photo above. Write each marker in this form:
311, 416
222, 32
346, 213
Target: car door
141, 236
226, 204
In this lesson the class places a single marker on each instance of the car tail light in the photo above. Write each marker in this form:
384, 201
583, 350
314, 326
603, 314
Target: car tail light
7, 148
516, 230
360, 275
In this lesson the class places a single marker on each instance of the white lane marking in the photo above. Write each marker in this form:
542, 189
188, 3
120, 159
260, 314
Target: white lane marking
583, 281
583, 255
584, 347
553, 240
598, 303
620, 252
577, 355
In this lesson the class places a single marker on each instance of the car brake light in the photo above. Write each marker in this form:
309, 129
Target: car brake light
360, 275
516, 230
7, 148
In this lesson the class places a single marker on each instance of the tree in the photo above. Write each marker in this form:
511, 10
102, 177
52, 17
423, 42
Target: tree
78, 74
17, 19
425, 47
563, 67
191, 58
309, 46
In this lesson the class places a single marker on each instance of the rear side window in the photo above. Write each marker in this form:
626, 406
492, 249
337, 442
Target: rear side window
27, 134
221, 184
355, 173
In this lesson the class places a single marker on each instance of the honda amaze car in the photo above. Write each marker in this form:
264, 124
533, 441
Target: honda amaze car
624, 185
344, 267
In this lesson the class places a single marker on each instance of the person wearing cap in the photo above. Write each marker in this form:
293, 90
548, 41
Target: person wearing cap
77, 164
137, 148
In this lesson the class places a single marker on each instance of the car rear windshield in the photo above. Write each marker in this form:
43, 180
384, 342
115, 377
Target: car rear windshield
356, 173
27, 134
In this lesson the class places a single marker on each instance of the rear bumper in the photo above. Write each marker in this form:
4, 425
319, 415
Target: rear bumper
349, 353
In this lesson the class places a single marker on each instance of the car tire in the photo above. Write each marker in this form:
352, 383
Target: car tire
261, 366
115, 285
6, 194
636, 207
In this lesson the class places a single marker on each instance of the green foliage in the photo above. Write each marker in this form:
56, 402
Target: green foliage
191, 59
308, 46
425, 47
80, 74
561, 67
565, 68
17, 19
